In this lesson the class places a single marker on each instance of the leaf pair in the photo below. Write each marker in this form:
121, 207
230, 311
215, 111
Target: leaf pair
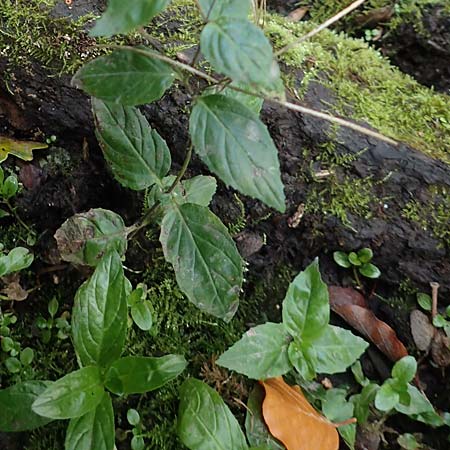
304, 340
17, 259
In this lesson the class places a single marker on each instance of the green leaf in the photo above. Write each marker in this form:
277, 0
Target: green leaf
386, 397
142, 315
337, 409
138, 156
52, 307
85, 238
369, 270
405, 369
336, 349
204, 420
21, 149
418, 403
72, 395
252, 102
99, 322
94, 430
15, 406
26, 356
235, 145
363, 402
341, 259
137, 443
261, 353
306, 309
122, 17
139, 374
199, 190
255, 428
424, 301
207, 265
126, 77
359, 374
439, 321
303, 358
214, 9
365, 255
239, 49
4, 213
408, 442
133, 417
353, 258
13, 365
17, 259
10, 187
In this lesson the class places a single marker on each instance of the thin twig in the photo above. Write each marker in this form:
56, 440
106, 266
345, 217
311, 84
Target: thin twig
182, 171
321, 27
434, 298
292, 106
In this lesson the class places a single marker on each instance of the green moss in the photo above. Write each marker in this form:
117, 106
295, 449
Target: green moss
433, 215
404, 11
367, 87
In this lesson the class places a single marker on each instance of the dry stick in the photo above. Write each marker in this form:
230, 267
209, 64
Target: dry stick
434, 298
292, 106
326, 24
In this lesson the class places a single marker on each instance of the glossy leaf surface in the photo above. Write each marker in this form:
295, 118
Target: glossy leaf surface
84, 238
204, 420
125, 77
94, 430
236, 146
122, 16
261, 353
15, 406
306, 310
138, 156
139, 374
72, 395
207, 265
99, 323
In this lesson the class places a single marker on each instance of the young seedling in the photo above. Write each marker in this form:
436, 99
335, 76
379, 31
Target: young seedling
140, 307
99, 327
59, 323
134, 419
301, 342
439, 320
359, 262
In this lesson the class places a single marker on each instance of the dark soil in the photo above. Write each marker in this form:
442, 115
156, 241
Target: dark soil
44, 106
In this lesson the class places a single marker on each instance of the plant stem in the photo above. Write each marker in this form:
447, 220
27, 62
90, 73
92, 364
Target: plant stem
183, 169
358, 280
17, 217
321, 27
291, 106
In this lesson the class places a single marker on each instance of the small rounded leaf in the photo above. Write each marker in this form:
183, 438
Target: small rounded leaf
365, 255
353, 258
439, 321
137, 443
370, 270
26, 356
13, 365
386, 398
341, 259
133, 417
142, 315
405, 369
424, 300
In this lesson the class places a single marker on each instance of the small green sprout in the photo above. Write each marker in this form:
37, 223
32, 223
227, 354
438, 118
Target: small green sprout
360, 262
439, 320
140, 307
134, 419
61, 323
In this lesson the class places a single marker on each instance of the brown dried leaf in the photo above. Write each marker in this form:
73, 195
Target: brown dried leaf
293, 421
352, 307
13, 290
440, 349
422, 330
297, 14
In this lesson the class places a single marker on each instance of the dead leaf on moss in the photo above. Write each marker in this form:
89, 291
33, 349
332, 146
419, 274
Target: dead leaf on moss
21, 149
422, 330
293, 421
297, 14
353, 308
14, 290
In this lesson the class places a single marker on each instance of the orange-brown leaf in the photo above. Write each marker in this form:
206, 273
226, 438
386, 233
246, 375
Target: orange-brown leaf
352, 307
293, 421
